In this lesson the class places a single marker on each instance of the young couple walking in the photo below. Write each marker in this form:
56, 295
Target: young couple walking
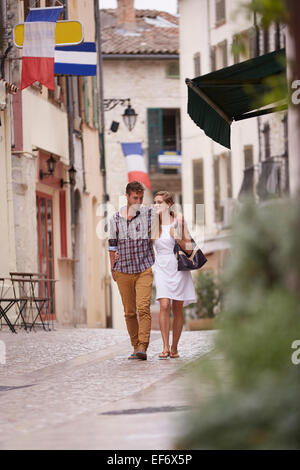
135, 231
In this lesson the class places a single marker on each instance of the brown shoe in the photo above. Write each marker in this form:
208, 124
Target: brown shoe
141, 355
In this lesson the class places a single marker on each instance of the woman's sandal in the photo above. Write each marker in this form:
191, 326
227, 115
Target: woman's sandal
174, 355
164, 355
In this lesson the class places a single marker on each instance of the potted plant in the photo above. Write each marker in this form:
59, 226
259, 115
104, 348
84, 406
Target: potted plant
207, 285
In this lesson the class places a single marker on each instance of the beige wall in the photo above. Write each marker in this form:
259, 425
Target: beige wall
7, 233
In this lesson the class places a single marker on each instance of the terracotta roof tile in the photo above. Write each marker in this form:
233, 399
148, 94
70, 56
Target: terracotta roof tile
155, 32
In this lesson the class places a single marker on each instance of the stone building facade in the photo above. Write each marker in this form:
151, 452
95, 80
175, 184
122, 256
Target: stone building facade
213, 175
55, 222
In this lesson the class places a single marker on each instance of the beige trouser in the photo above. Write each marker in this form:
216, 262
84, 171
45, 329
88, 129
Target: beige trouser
135, 290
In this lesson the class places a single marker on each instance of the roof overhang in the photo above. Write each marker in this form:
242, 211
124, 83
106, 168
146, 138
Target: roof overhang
140, 56
218, 98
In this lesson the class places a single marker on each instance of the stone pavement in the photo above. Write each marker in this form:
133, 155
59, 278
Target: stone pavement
76, 389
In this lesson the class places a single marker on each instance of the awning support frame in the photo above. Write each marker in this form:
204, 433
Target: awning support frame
211, 103
261, 112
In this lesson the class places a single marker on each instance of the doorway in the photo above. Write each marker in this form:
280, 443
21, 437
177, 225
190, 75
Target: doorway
44, 212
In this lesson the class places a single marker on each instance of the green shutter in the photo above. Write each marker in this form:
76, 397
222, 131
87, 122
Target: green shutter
155, 135
86, 100
95, 103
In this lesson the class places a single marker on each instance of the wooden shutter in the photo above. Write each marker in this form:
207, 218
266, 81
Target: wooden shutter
213, 58
220, 11
63, 224
155, 135
224, 53
198, 184
266, 40
95, 102
248, 156
30, 4
229, 175
267, 142
86, 99
252, 35
197, 64
217, 204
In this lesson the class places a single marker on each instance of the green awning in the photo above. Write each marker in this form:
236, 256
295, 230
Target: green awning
218, 98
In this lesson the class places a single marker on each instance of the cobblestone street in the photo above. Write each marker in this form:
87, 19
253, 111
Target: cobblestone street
76, 389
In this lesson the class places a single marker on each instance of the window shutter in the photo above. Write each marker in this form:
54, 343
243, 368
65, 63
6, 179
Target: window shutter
266, 132
30, 4
252, 42
86, 100
198, 184
95, 103
217, 204
220, 11
266, 40
224, 53
229, 175
213, 58
63, 224
155, 136
248, 156
197, 65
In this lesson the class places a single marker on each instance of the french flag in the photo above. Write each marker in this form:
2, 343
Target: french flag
39, 46
135, 163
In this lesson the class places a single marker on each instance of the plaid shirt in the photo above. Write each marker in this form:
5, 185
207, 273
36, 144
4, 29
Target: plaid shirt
132, 240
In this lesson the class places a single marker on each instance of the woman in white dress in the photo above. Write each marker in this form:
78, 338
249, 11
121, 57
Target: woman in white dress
172, 286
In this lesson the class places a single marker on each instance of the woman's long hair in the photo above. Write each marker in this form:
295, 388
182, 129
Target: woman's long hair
157, 222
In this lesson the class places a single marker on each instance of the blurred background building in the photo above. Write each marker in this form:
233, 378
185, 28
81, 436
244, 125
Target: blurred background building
257, 164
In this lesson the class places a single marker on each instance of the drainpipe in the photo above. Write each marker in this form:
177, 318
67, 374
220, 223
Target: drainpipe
107, 278
70, 110
257, 52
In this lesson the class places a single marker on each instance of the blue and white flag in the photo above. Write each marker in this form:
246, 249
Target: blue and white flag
135, 163
76, 60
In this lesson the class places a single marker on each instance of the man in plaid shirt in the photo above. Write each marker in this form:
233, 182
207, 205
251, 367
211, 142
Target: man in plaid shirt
130, 237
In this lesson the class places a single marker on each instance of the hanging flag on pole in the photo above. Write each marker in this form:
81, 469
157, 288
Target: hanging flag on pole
76, 60
135, 163
39, 46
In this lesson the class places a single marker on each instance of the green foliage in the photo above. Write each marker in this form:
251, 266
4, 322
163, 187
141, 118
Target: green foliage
258, 407
208, 294
270, 10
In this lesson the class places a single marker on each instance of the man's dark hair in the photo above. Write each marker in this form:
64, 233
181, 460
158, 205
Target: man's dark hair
134, 187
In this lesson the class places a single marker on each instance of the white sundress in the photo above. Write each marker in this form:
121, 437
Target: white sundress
169, 282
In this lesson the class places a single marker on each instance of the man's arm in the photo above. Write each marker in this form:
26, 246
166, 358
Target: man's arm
112, 244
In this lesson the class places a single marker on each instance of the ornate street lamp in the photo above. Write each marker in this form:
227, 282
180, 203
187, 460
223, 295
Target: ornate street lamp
51, 163
129, 117
72, 177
